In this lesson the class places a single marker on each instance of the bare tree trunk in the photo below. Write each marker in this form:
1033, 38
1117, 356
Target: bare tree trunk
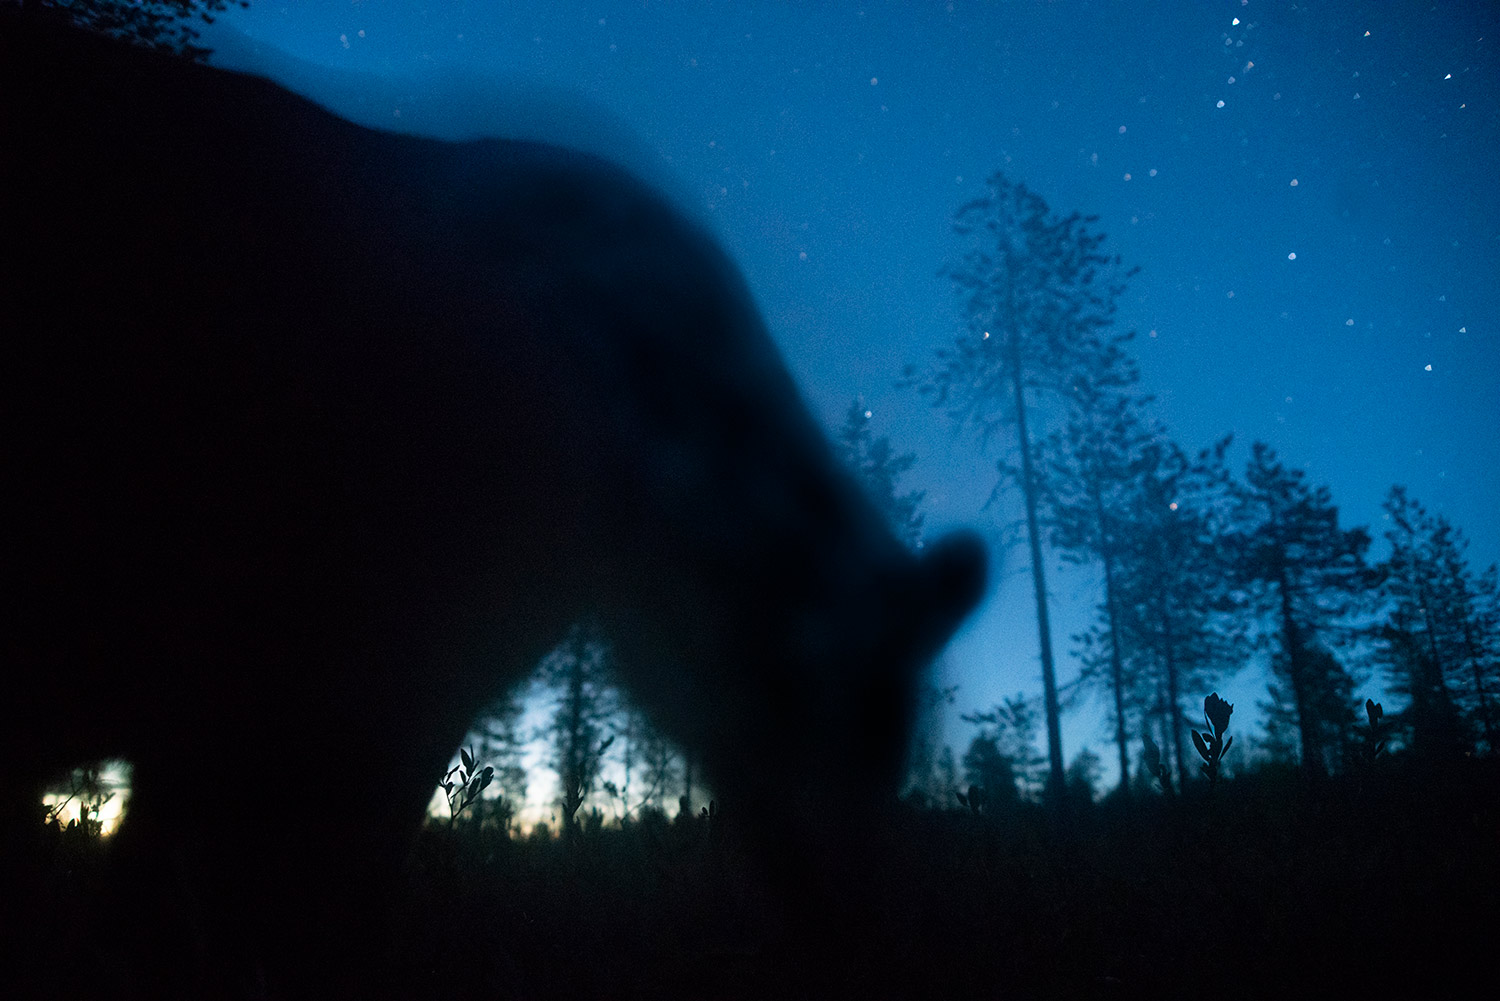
1307, 720
1116, 665
1174, 694
1055, 775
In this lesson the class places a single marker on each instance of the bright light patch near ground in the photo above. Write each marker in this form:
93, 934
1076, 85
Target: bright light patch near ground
539, 804
110, 798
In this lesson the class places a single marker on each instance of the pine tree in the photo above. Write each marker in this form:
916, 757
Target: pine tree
1010, 727
1039, 296
1437, 644
578, 673
1481, 649
1309, 575
875, 462
1089, 479
988, 768
1178, 629
1083, 777
160, 24
1415, 641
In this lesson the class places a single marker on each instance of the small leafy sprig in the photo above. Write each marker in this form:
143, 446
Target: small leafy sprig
464, 782
1211, 743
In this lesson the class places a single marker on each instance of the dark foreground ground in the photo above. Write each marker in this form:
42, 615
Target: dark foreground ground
1384, 888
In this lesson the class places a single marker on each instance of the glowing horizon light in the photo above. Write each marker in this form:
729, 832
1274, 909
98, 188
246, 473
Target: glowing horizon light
114, 778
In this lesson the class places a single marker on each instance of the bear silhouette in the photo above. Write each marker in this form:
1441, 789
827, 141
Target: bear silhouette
317, 437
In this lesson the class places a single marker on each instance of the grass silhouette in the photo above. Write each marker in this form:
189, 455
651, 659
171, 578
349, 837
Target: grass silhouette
1261, 887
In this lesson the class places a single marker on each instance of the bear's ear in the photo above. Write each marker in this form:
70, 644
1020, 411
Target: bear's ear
952, 578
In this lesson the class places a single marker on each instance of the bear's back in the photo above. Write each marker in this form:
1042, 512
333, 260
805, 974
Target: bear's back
317, 437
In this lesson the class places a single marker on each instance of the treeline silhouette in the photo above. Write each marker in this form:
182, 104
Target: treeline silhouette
1201, 570
1377, 880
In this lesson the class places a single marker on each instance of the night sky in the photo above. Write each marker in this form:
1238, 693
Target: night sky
1309, 190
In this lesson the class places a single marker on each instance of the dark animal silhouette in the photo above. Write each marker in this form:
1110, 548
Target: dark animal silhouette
316, 437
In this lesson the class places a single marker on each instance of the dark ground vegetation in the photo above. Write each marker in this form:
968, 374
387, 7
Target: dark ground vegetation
1375, 885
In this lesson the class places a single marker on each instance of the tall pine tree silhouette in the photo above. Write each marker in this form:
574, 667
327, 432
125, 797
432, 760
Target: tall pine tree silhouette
1177, 631
1308, 575
1088, 482
1039, 297
879, 468
1435, 642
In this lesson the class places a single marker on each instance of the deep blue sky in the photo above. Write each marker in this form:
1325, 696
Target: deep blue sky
828, 145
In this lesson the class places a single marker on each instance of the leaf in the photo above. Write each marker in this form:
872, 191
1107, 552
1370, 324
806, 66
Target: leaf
463, 755
1226, 747
1198, 743
1153, 754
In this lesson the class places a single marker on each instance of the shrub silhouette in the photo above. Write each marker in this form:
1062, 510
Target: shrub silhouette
464, 783
1155, 766
1374, 737
1211, 742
